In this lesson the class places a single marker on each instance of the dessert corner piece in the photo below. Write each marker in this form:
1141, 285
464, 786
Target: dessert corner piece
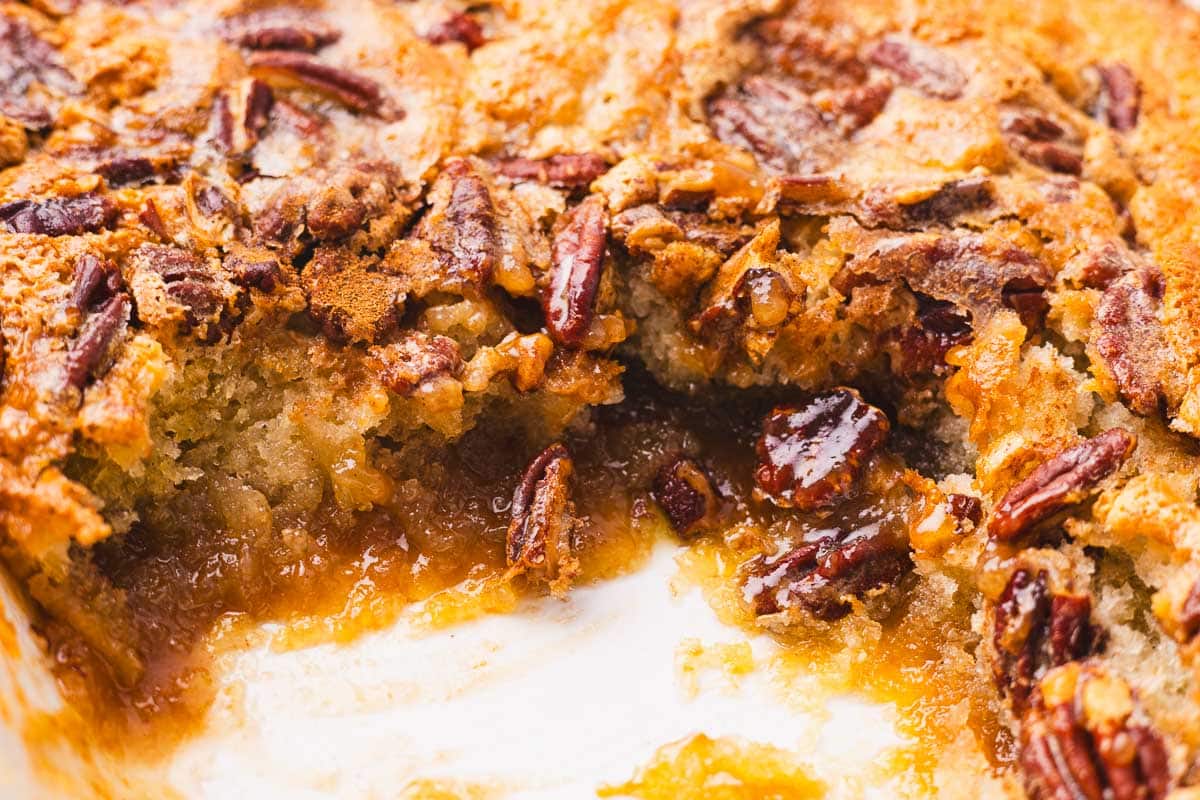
320, 311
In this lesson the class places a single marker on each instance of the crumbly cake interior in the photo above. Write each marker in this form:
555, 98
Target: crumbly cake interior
886, 310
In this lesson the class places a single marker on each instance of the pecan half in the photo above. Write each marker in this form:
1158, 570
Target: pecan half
304, 122
774, 120
1119, 98
760, 296
206, 298
647, 229
59, 216
31, 117
97, 293
1189, 614
569, 298
256, 107
125, 170
724, 237
150, 217
975, 272
542, 528
1027, 297
855, 107
1036, 630
282, 220
338, 208
288, 69
204, 308
99, 331
254, 268
1099, 267
810, 456
814, 93
94, 282
172, 263
1081, 740
815, 59
415, 360
563, 171
821, 577
951, 200
965, 508
924, 68
685, 492
1043, 141
458, 243
921, 348
469, 246
241, 115
459, 27
1065, 480
1130, 338
211, 201
26, 59
306, 36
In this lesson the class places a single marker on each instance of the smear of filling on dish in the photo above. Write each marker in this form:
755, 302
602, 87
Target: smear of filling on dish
702, 768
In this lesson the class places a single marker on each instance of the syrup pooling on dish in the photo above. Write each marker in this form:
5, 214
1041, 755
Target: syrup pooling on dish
700, 767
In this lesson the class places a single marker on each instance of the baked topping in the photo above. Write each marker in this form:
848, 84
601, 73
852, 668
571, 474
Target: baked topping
352, 298
25, 60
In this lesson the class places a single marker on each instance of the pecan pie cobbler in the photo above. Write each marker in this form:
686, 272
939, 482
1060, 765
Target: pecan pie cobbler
886, 311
